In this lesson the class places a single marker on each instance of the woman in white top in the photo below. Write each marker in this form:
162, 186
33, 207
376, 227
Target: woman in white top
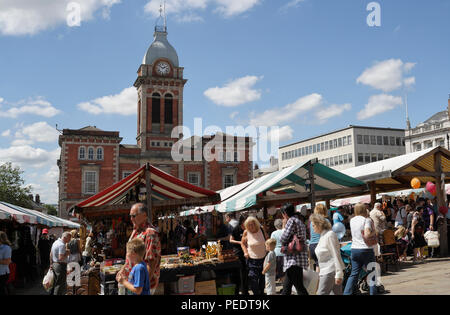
362, 255
87, 253
254, 246
328, 252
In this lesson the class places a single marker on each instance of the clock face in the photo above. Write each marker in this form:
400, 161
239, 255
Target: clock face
163, 68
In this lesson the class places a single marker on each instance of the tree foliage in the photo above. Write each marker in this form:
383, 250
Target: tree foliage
12, 188
51, 210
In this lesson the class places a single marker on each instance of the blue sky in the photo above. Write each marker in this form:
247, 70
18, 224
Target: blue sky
308, 66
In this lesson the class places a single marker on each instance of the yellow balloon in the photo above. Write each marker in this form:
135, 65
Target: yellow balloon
415, 183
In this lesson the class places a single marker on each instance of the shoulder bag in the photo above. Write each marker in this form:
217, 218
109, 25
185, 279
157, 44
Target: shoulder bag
373, 239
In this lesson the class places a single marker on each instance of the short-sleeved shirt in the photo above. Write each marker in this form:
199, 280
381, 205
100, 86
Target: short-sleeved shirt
358, 224
139, 278
276, 235
271, 258
427, 213
148, 234
401, 214
5, 253
59, 248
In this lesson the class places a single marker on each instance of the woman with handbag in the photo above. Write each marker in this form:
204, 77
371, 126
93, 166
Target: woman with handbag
328, 253
363, 239
294, 248
417, 235
254, 247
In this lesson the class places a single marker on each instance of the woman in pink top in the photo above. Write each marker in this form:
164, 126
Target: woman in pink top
253, 245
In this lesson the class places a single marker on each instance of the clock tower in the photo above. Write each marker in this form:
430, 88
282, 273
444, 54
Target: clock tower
160, 86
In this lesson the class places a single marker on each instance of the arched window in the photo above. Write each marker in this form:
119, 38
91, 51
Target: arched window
82, 153
100, 153
90, 153
168, 112
156, 108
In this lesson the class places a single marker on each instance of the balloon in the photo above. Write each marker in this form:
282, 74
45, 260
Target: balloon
431, 188
339, 229
443, 210
415, 183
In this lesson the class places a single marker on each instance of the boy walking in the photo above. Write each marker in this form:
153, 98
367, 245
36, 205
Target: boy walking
138, 282
270, 265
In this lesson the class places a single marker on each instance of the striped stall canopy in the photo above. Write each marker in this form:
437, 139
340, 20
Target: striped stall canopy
288, 181
40, 218
8, 212
164, 187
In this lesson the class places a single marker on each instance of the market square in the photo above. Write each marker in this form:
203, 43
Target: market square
305, 156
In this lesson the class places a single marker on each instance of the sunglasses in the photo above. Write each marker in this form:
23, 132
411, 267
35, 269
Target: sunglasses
133, 215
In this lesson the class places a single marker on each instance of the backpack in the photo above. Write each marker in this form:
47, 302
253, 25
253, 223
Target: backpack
73, 247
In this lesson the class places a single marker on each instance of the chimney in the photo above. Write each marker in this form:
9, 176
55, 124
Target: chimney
30, 196
38, 199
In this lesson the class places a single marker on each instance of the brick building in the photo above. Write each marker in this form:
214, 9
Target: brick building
92, 159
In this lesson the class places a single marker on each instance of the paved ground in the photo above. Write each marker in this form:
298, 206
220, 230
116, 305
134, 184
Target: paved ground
429, 278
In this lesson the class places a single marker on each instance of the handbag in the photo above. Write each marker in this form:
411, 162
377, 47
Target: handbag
432, 238
371, 240
49, 280
295, 246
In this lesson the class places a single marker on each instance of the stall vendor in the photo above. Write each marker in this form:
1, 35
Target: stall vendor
144, 230
223, 233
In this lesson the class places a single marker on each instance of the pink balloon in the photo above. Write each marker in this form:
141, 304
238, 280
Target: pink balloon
431, 188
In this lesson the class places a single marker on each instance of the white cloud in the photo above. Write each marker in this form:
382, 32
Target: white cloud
233, 115
6, 133
290, 5
379, 104
277, 116
123, 103
26, 156
229, 8
333, 111
37, 132
187, 10
387, 75
278, 134
34, 106
235, 93
29, 17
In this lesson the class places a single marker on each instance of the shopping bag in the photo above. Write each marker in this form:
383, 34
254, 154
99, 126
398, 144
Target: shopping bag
48, 280
310, 281
432, 238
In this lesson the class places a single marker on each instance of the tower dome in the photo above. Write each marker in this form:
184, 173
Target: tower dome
161, 48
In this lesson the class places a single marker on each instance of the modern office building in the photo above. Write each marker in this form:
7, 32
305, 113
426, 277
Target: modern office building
346, 148
431, 133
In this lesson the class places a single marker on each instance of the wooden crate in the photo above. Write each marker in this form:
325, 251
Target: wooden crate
206, 288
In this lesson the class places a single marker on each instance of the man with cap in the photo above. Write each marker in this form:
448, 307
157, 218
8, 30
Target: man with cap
44, 246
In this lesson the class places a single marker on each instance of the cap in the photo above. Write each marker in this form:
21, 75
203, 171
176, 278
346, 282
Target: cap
44, 231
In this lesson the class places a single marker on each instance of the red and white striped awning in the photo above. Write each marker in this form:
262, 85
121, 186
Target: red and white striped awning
164, 187
7, 212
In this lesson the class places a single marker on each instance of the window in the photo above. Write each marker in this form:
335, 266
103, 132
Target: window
350, 158
392, 142
314, 148
339, 142
318, 147
374, 157
322, 146
366, 139
398, 141
326, 145
331, 144
82, 153
336, 161
335, 143
360, 139
380, 156
310, 150
386, 140
303, 151
349, 140
126, 174
90, 182
90, 153
360, 158
428, 144
441, 143
168, 110
345, 158
403, 141
373, 140
283, 155
156, 108
236, 156
194, 178
331, 162
341, 160
367, 158
344, 141
327, 161
418, 147
99, 153
379, 140
228, 180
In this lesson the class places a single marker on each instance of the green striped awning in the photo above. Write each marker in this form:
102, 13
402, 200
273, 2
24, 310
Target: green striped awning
286, 181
